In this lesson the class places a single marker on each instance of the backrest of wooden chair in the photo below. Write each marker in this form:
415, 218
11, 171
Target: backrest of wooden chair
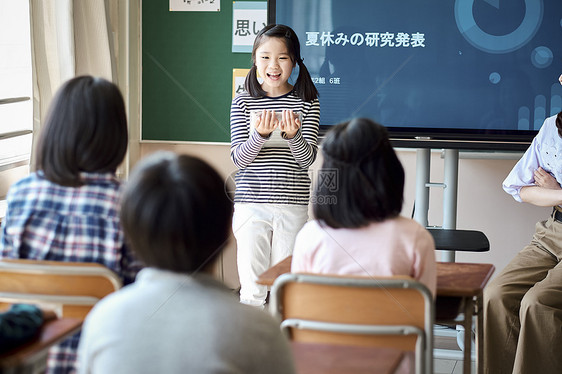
369, 307
73, 287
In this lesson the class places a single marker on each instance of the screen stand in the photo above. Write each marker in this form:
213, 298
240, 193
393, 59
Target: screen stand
449, 185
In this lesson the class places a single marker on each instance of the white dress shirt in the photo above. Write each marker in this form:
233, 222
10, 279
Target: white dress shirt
545, 151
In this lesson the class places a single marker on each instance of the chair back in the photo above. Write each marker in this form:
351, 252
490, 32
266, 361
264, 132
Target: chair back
388, 312
72, 288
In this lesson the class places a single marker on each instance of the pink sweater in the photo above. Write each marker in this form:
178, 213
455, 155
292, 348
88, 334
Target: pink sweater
398, 246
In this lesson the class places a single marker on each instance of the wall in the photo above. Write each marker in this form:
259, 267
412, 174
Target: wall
482, 204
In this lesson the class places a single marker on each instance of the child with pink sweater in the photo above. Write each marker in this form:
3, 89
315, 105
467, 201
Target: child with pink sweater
358, 229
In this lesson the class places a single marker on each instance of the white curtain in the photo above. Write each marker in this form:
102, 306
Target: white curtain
68, 38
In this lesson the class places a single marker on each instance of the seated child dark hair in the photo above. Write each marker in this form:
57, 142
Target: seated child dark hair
85, 131
368, 178
175, 212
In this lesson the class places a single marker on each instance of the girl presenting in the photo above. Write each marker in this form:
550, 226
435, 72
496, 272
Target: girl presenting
274, 131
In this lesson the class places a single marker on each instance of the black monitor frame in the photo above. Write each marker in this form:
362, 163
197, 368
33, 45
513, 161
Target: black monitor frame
449, 138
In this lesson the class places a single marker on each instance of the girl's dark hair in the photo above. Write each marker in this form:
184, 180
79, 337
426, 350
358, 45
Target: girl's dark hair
559, 123
304, 87
175, 212
85, 131
366, 179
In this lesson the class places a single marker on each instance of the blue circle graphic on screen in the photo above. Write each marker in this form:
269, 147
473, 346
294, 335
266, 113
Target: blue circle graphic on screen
495, 78
480, 39
542, 57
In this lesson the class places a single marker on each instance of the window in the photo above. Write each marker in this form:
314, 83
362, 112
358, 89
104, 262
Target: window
16, 104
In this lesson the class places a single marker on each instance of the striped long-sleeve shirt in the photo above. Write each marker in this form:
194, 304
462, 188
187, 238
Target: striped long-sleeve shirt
273, 170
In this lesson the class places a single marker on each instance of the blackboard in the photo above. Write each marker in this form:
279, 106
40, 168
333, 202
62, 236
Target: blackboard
187, 64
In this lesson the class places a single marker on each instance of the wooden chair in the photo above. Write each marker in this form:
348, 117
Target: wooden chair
388, 312
72, 288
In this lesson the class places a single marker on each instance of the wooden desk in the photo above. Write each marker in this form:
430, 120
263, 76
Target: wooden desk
459, 289
271, 274
465, 281
316, 358
32, 356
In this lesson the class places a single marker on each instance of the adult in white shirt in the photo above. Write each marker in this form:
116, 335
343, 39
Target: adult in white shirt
523, 304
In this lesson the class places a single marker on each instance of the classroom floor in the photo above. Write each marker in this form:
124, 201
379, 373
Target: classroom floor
441, 366
448, 341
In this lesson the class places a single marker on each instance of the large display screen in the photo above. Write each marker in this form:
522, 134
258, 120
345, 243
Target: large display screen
460, 70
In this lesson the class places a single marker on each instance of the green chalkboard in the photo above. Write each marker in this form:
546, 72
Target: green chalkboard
187, 64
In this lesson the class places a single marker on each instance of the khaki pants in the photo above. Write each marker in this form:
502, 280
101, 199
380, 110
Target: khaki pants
523, 308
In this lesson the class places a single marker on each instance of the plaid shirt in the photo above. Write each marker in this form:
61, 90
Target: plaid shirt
46, 221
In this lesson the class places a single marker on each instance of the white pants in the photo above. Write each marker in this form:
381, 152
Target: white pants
265, 234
